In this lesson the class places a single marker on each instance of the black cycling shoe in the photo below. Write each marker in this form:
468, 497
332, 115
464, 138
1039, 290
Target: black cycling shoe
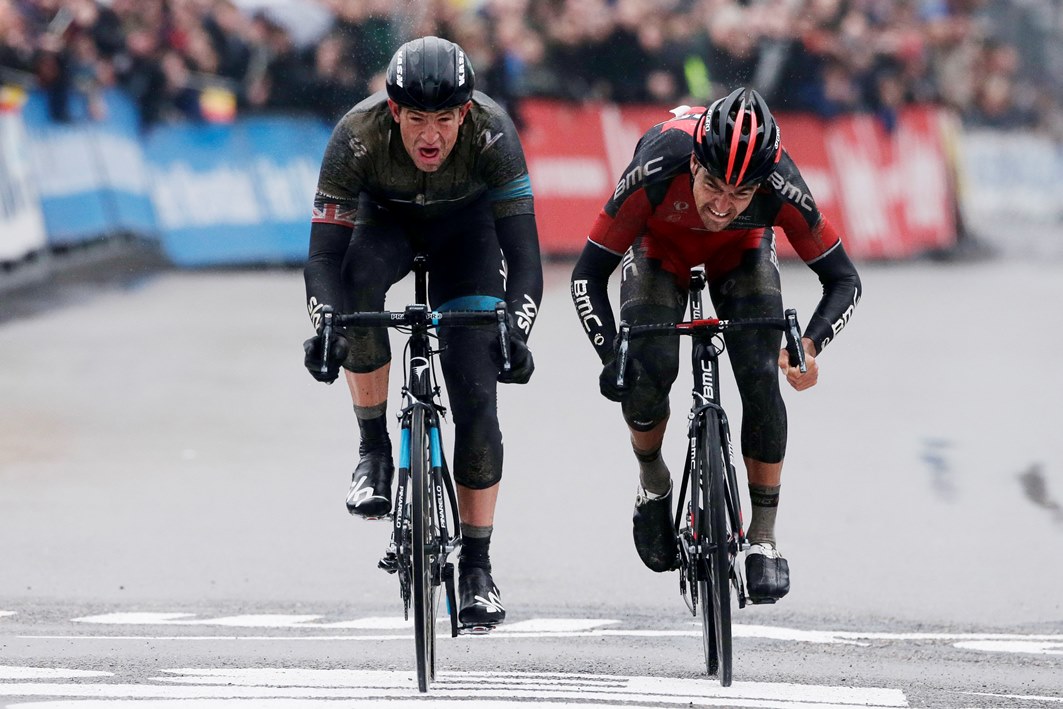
479, 600
654, 532
370, 493
767, 574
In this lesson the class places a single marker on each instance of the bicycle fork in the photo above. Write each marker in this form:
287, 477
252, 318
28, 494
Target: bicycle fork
400, 549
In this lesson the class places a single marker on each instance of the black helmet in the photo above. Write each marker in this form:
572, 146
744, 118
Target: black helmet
737, 140
430, 74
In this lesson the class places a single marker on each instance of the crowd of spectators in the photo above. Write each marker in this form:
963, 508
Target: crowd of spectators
997, 64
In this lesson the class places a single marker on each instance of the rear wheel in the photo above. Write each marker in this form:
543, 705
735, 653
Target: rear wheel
717, 559
425, 535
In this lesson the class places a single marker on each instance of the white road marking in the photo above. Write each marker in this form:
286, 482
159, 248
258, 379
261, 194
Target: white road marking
554, 625
476, 689
8, 672
545, 628
772, 633
1028, 698
286, 704
134, 618
266, 620
6, 613
373, 623
1020, 646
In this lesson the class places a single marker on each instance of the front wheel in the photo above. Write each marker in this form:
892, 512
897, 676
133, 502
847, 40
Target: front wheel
715, 544
425, 551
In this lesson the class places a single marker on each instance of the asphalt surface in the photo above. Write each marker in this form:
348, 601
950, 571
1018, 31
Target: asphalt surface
172, 519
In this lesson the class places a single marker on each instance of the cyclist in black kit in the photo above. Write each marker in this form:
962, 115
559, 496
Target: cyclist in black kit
428, 166
706, 187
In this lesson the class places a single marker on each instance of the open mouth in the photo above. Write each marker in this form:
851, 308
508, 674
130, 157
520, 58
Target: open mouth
428, 153
718, 215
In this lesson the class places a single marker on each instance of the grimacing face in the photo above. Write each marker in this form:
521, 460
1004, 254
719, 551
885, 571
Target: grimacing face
717, 202
428, 136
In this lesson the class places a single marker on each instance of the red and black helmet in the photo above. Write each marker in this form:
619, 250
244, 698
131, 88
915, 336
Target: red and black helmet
430, 74
737, 140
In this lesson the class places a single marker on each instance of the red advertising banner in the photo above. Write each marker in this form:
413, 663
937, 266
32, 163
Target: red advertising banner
888, 193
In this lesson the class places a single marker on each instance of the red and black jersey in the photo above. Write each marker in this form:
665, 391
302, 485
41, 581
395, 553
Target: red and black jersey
654, 199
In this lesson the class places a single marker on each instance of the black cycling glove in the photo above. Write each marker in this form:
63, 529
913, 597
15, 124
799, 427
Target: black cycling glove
336, 356
521, 364
607, 379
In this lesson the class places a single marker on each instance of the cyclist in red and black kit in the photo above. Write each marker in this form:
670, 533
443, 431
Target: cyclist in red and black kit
428, 166
706, 187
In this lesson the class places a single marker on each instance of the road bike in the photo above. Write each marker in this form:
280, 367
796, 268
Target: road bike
422, 537
708, 524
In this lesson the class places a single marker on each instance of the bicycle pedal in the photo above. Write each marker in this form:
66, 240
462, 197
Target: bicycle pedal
481, 629
390, 563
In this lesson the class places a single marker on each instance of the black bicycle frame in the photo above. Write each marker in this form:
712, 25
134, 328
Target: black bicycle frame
705, 366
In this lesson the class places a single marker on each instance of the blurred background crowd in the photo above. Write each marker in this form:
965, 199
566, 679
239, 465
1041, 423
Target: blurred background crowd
997, 64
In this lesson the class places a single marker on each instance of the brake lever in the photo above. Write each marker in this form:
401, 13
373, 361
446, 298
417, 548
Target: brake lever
326, 337
503, 335
793, 341
622, 353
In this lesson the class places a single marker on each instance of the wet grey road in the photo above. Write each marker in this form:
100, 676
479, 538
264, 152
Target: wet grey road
172, 529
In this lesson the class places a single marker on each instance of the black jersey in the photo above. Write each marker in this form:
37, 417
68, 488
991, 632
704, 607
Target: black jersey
366, 162
366, 155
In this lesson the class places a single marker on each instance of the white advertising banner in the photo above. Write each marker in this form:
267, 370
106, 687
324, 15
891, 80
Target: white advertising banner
1011, 191
21, 223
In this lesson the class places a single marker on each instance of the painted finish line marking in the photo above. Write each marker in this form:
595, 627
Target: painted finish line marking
224, 688
571, 628
540, 628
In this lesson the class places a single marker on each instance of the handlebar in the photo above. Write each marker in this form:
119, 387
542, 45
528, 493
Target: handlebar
712, 326
419, 316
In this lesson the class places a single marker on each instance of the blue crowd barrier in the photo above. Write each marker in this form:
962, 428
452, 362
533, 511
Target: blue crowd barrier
212, 194
238, 193
90, 172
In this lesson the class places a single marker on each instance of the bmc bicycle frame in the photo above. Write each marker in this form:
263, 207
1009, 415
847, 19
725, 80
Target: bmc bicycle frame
706, 394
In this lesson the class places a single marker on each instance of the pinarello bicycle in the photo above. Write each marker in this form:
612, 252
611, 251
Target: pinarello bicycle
422, 537
708, 524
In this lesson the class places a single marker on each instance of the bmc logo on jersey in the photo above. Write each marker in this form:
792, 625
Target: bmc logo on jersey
636, 175
790, 191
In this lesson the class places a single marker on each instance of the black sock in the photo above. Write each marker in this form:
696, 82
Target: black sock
475, 547
373, 429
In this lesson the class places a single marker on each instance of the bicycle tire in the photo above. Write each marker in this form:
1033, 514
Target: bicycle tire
700, 562
716, 586
424, 552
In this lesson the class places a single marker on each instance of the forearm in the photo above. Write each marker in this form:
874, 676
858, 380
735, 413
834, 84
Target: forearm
519, 240
328, 244
842, 291
590, 295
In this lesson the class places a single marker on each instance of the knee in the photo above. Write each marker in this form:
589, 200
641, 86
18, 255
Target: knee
368, 349
477, 454
647, 404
